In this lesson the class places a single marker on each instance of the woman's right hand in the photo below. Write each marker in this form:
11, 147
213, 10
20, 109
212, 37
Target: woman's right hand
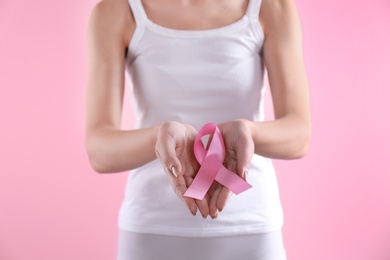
174, 148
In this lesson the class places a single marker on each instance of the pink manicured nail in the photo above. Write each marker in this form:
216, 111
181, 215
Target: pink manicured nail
246, 175
173, 170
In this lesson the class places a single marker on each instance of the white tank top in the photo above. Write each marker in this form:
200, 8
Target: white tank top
197, 77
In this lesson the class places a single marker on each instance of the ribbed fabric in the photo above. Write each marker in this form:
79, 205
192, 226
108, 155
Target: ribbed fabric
265, 246
196, 77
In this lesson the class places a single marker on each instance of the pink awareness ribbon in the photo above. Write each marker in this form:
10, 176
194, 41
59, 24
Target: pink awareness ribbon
211, 166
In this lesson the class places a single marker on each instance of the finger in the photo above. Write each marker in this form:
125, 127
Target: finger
213, 200
203, 204
231, 164
203, 207
213, 187
171, 172
166, 152
190, 203
220, 195
223, 198
244, 158
210, 195
179, 186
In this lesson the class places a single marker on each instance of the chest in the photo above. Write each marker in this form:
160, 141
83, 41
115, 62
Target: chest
195, 14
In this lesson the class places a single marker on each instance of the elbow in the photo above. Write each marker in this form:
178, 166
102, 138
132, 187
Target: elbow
301, 152
96, 160
97, 165
302, 144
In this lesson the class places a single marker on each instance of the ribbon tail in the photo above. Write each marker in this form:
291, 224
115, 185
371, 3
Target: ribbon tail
204, 178
232, 181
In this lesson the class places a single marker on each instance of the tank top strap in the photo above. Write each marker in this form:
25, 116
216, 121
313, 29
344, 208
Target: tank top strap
138, 11
253, 9
140, 20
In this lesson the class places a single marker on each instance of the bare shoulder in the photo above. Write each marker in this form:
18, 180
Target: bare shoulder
276, 14
112, 18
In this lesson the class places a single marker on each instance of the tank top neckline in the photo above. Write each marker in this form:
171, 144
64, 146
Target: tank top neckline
197, 32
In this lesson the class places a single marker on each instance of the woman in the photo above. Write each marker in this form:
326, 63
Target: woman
192, 62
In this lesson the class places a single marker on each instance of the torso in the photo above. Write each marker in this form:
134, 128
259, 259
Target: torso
189, 14
182, 70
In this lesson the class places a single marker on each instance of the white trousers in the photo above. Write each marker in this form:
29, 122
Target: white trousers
138, 246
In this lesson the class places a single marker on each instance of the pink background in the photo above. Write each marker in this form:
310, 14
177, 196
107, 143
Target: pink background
53, 206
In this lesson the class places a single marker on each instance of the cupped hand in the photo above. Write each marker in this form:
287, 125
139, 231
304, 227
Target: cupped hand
174, 149
239, 148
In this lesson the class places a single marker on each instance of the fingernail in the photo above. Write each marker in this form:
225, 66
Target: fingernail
246, 175
173, 170
192, 211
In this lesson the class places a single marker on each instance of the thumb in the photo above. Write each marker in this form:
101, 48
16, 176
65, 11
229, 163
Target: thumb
245, 153
166, 153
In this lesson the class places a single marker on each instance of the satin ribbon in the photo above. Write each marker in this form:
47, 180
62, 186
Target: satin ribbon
211, 166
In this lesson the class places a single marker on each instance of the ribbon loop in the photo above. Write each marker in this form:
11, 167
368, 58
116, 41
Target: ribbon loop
211, 166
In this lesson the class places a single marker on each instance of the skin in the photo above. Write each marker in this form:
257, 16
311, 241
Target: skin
111, 149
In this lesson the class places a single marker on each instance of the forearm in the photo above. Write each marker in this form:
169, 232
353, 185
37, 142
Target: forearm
284, 138
112, 150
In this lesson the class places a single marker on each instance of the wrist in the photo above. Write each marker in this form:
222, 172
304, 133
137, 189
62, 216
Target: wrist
251, 128
239, 128
156, 132
247, 127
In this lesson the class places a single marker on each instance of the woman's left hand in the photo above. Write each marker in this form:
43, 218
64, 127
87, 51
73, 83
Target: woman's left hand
239, 148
